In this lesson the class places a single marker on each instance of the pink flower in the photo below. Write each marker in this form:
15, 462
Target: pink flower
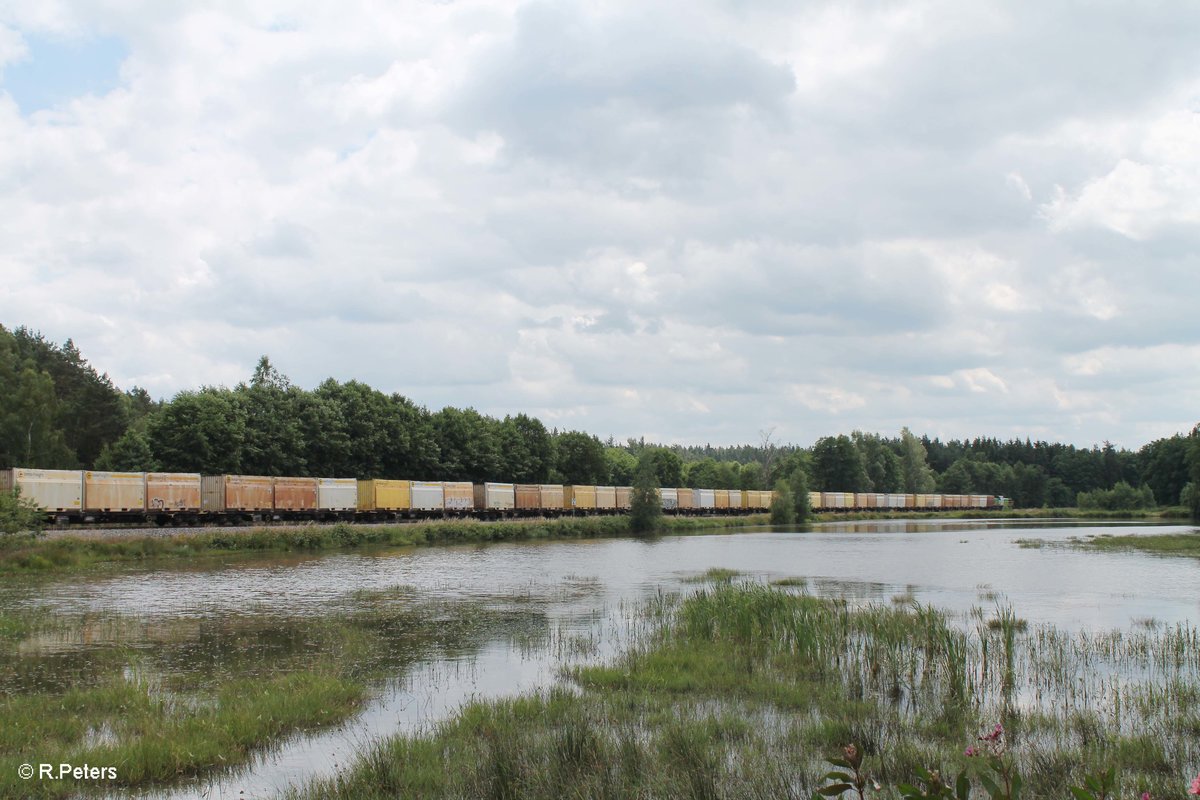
971, 752
1145, 796
1195, 787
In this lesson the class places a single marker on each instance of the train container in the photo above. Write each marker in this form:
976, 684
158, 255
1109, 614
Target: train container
220, 493
606, 498
495, 496
753, 497
460, 495
814, 500
527, 497
114, 491
552, 496
669, 497
428, 496
686, 498
579, 498
173, 491
977, 500
337, 494
910, 501
384, 495
895, 500
56, 490
624, 497
764, 499
833, 500
706, 498
737, 499
721, 498
296, 494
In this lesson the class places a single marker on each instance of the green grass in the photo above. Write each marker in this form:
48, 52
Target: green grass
162, 699
742, 690
25, 554
1167, 544
714, 575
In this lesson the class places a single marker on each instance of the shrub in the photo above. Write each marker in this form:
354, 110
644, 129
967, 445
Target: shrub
18, 514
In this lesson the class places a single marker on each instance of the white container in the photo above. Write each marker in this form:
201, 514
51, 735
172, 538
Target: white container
428, 496
495, 496
669, 497
337, 494
52, 489
706, 498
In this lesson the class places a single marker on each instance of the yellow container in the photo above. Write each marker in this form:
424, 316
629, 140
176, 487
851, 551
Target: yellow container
606, 497
579, 498
384, 495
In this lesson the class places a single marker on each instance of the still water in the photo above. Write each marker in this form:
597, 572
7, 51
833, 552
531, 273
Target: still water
584, 590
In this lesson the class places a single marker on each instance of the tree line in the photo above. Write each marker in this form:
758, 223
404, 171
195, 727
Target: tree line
57, 411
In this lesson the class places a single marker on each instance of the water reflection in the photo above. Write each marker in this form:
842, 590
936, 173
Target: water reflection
564, 601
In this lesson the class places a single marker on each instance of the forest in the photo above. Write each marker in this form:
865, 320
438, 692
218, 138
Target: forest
58, 411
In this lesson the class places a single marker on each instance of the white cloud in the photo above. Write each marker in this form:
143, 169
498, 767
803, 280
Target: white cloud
687, 221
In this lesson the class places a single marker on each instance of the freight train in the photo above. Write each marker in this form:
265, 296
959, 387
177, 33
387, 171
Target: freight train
186, 497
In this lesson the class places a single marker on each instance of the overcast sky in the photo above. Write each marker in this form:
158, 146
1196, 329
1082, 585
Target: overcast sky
686, 221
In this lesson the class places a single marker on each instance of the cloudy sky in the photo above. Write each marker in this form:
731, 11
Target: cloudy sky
690, 221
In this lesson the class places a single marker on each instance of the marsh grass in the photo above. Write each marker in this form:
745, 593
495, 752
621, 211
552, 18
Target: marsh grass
1167, 544
27, 554
714, 575
742, 690
160, 699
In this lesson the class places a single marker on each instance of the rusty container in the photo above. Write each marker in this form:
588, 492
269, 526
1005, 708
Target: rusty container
527, 497
236, 493
114, 491
296, 494
173, 491
687, 497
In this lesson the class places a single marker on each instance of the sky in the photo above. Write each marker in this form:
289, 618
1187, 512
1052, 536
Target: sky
690, 221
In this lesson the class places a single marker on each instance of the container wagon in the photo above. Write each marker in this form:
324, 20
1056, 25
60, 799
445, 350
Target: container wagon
172, 493
295, 495
669, 497
553, 498
495, 499
57, 491
606, 498
460, 495
428, 496
379, 498
579, 499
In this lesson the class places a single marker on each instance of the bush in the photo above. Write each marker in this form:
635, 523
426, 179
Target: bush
783, 505
1121, 497
645, 506
19, 515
